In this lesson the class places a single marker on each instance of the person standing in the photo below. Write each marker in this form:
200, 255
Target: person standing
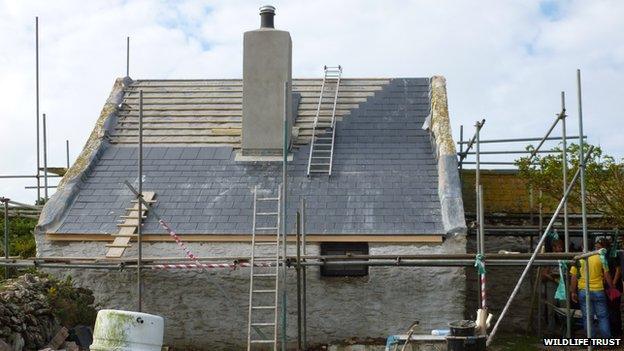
598, 299
615, 314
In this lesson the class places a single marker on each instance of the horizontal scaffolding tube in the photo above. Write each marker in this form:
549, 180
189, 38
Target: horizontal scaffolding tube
505, 152
587, 254
26, 176
387, 263
517, 140
90, 260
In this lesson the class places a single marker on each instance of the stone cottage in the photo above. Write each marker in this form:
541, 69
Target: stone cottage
394, 189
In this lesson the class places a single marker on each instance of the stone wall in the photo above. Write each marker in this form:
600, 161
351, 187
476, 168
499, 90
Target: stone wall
208, 310
503, 192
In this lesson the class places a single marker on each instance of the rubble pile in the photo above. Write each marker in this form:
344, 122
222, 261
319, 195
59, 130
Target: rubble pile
29, 315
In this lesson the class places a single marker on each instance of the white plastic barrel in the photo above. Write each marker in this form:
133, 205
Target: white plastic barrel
127, 331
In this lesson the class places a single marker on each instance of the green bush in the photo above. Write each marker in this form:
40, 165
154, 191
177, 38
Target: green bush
21, 238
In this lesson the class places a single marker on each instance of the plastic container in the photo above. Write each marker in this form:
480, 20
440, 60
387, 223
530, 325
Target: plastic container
127, 331
441, 332
462, 328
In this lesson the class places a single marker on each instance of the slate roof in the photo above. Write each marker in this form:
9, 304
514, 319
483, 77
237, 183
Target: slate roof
384, 178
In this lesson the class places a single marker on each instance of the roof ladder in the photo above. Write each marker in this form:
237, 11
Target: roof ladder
263, 276
128, 229
324, 128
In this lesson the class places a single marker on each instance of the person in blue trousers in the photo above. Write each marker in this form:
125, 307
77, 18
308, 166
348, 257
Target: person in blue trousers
598, 299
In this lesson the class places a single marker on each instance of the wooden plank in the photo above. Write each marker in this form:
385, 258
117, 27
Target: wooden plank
161, 120
128, 229
118, 246
316, 238
182, 113
181, 140
180, 126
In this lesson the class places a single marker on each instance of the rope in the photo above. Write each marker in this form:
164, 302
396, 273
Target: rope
479, 264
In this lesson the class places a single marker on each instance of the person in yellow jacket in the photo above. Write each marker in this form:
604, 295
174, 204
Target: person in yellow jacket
598, 299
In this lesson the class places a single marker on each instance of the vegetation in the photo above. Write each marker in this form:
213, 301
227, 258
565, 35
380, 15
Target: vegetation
604, 181
72, 305
21, 238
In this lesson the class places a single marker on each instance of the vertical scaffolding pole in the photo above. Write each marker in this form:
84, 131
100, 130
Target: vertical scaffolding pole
478, 203
482, 248
533, 256
127, 56
461, 149
283, 210
45, 159
588, 319
304, 322
6, 234
566, 232
37, 106
298, 268
140, 207
564, 170
478, 182
67, 152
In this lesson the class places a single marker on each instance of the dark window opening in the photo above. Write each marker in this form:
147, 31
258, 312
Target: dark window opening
341, 249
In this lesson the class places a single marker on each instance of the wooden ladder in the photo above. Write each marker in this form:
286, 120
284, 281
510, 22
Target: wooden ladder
127, 229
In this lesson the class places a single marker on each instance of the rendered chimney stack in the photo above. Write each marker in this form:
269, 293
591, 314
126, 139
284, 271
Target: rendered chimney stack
267, 64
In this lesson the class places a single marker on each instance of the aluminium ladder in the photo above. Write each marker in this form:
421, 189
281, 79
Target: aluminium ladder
264, 269
322, 143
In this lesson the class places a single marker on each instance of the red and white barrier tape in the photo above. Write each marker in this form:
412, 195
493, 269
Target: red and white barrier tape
209, 265
196, 264
177, 239
483, 293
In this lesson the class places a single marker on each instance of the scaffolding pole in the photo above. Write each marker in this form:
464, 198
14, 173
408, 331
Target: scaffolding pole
140, 207
67, 153
298, 268
396, 262
283, 210
127, 56
45, 159
37, 106
535, 252
566, 231
582, 160
304, 306
6, 233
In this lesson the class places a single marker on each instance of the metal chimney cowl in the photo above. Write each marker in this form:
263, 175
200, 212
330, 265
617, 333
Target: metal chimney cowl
267, 64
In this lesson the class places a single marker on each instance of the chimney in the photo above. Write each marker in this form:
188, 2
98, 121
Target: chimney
267, 64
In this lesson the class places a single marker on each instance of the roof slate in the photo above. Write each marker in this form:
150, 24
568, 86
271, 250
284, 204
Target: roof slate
384, 179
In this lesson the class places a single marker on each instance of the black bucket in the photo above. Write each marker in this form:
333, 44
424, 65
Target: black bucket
462, 328
466, 343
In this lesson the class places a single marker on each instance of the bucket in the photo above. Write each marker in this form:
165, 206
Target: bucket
466, 343
462, 328
127, 331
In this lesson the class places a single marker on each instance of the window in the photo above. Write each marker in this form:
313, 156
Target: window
341, 249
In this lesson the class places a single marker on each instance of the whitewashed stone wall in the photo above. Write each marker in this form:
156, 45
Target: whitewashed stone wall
208, 310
